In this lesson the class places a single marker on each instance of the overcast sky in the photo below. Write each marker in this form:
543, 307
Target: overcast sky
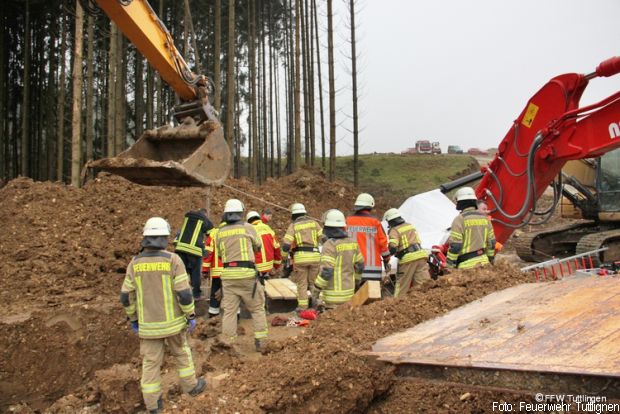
459, 72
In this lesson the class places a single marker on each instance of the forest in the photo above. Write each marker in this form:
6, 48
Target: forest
74, 89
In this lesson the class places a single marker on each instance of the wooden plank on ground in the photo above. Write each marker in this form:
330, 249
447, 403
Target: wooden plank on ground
271, 291
369, 292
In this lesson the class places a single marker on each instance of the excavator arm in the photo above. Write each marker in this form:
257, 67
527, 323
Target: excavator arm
551, 130
191, 154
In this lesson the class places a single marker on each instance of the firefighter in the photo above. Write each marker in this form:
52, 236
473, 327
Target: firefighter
472, 241
301, 242
367, 230
159, 304
212, 266
341, 263
269, 258
236, 243
190, 245
404, 243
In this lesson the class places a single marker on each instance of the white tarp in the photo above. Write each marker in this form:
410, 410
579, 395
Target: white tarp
431, 213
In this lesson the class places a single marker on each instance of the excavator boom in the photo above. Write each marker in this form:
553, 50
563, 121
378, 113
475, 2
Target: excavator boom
191, 154
551, 130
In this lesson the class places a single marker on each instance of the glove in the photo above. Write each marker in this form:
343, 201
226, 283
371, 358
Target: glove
191, 325
135, 326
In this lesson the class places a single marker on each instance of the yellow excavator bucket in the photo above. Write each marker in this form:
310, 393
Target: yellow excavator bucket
185, 155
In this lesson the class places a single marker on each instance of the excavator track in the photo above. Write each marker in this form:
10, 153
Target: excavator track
608, 238
568, 240
552, 242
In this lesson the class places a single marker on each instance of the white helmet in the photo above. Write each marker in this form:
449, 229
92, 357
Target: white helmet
365, 200
391, 214
465, 193
251, 215
233, 206
335, 218
156, 226
298, 208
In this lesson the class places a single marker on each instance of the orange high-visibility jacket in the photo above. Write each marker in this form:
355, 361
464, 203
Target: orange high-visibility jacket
269, 255
212, 262
373, 242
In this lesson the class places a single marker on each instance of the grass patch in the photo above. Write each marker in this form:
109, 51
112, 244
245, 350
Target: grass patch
396, 177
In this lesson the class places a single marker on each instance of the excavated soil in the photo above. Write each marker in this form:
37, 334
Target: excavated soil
65, 345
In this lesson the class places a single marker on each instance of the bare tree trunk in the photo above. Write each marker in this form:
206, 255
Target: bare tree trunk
305, 80
158, 82
277, 105
318, 59
120, 139
297, 86
230, 75
60, 142
271, 68
190, 21
332, 92
150, 92
139, 95
310, 19
111, 115
90, 56
76, 119
25, 112
252, 55
264, 105
4, 139
217, 75
354, 76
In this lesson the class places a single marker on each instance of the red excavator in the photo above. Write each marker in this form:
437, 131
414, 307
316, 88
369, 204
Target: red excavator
556, 143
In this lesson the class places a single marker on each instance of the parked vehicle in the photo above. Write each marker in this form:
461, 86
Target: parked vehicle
454, 149
423, 147
436, 148
476, 151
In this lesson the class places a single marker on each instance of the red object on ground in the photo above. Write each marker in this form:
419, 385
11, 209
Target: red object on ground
309, 314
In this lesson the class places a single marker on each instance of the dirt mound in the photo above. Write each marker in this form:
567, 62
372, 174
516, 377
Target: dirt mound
63, 254
324, 369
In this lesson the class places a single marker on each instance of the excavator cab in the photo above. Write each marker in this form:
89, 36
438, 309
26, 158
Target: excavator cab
608, 185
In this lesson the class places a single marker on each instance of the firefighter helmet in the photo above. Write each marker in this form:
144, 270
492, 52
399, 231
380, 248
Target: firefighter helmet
465, 193
391, 214
156, 226
251, 215
298, 208
364, 200
233, 206
335, 218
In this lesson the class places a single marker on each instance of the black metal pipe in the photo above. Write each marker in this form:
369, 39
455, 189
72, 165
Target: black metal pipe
459, 182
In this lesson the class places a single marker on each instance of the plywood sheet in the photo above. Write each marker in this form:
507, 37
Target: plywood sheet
281, 289
571, 326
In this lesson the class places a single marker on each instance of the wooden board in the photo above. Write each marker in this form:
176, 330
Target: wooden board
369, 292
281, 289
569, 326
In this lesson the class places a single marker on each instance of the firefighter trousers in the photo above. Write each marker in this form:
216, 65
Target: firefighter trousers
193, 266
235, 291
303, 276
415, 271
152, 351
214, 302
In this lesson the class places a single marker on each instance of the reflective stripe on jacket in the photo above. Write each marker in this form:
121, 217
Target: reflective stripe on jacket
471, 231
373, 242
212, 261
269, 255
237, 243
304, 232
340, 255
191, 238
402, 237
152, 281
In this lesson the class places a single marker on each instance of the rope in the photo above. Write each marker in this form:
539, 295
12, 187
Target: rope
255, 197
261, 199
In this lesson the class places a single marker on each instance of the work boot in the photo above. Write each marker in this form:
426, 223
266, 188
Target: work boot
199, 388
160, 406
259, 345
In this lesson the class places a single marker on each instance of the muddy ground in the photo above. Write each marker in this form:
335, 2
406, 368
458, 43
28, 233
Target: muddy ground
66, 346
